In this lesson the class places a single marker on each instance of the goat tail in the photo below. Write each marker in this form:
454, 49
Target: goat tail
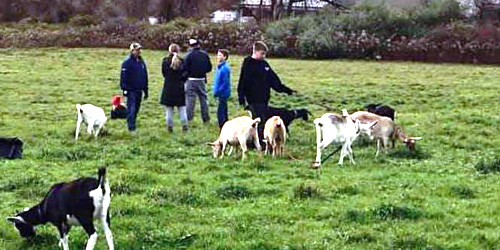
256, 122
317, 121
101, 177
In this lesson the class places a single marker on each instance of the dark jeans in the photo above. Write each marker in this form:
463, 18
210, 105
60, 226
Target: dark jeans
133, 105
260, 111
222, 111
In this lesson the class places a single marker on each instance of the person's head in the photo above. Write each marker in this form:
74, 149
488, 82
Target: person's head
135, 49
193, 43
259, 50
173, 51
222, 55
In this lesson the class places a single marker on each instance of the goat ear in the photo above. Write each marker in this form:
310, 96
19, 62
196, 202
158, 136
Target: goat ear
344, 112
210, 143
13, 219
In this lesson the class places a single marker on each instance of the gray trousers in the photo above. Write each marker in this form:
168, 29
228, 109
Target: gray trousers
196, 88
169, 116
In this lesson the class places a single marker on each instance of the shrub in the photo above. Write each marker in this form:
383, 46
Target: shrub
83, 20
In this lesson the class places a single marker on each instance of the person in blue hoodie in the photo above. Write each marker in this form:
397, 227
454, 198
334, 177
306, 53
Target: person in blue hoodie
222, 85
134, 82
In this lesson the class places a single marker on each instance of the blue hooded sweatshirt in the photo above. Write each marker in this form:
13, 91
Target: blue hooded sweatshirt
222, 81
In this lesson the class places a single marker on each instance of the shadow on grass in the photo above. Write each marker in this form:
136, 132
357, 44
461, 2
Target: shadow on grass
487, 167
43, 239
404, 153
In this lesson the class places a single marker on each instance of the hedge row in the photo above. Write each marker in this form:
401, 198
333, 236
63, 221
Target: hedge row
119, 33
436, 33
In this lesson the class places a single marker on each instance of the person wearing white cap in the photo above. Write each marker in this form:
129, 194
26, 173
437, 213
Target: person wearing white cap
134, 83
197, 64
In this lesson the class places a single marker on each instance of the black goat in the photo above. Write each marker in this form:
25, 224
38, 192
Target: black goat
382, 110
287, 115
70, 203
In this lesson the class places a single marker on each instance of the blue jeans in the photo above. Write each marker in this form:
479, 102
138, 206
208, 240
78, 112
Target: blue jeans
133, 105
222, 111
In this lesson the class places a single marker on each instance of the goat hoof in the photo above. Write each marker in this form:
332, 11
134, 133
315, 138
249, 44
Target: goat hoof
315, 165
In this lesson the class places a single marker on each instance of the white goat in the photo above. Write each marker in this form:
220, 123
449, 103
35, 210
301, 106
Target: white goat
236, 132
275, 135
92, 116
336, 128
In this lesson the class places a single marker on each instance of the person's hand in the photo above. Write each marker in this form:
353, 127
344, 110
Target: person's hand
242, 103
293, 92
146, 95
125, 93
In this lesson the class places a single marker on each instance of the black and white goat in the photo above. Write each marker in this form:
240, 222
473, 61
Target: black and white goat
381, 110
287, 115
71, 203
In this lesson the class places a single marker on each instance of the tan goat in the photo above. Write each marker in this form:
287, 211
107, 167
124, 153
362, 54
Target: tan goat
386, 130
236, 132
275, 135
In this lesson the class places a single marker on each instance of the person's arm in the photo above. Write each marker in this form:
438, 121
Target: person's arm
146, 89
276, 82
125, 77
187, 64
241, 84
164, 67
184, 73
217, 78
209, 64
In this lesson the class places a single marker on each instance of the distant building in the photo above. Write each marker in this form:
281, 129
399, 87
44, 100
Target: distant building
254, 8
224, 16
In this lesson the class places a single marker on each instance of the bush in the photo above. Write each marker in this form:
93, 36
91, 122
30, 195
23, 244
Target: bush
83, 20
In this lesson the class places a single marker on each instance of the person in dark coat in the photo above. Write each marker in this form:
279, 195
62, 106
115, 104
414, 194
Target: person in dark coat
173, 94
134, 83
197, 64
255, 83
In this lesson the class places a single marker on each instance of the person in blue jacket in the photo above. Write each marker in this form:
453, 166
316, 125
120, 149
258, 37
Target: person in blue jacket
134, 83
222, 85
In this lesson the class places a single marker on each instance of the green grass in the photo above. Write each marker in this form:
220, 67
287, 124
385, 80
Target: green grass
168, 192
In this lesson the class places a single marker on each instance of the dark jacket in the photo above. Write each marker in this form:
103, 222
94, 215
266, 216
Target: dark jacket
198, 63
222, 81
134, 75
256, 80
173, 93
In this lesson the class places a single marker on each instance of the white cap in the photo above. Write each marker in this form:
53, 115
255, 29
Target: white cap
193, 41
134, 46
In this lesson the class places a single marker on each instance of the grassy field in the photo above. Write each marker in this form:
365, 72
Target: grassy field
168, 192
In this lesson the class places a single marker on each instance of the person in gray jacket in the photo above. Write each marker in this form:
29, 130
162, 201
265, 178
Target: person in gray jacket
197, 65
